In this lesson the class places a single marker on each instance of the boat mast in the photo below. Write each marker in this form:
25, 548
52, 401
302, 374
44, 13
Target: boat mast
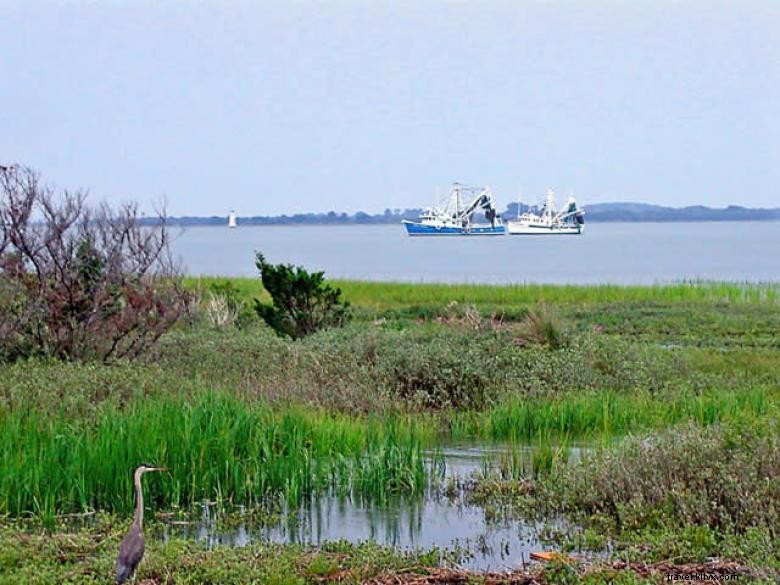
457, 198
549, 206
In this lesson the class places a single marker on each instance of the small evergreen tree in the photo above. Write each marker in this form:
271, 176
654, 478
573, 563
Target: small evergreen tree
302, 302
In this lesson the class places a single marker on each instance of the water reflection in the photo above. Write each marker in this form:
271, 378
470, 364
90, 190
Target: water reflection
429, 520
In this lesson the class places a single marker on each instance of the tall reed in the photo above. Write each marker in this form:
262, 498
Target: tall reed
595, 414
215, 448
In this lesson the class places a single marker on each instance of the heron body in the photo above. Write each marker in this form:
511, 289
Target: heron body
130, 553
132, 549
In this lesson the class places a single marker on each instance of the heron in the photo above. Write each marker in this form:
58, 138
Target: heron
132, 549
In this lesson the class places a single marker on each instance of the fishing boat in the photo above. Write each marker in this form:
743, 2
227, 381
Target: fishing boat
549, 220
454, 216
232, 220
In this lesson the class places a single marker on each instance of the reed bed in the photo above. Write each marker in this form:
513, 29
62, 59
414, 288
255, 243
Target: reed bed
601, 415
215, 447
219, 448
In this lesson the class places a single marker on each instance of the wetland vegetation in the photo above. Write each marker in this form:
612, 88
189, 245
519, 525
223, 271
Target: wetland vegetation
674, 389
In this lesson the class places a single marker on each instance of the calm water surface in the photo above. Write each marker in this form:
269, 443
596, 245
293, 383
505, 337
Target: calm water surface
431, 520
623, 253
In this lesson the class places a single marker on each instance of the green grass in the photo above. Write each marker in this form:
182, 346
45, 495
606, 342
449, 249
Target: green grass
87, 556
240, 415
216, 447
383, 296
602, 415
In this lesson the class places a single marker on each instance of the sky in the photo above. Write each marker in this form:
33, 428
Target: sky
285, 107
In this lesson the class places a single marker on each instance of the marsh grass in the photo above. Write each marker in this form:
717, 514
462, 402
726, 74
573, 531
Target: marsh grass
220, 448
240, 415
539, 458
88, 555
216, 448
515, 298
600, 415
543, 326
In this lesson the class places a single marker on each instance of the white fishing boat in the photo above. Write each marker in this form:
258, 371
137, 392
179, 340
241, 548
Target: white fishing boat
549, 220
232, 220
454, 217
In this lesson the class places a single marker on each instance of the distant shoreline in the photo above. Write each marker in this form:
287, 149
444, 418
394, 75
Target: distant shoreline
172, 222
597, 213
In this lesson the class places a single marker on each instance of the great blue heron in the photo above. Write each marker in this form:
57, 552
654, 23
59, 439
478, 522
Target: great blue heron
132, 550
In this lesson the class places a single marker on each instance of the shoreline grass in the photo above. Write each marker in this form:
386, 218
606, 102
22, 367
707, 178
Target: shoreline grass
87, 555
381, 295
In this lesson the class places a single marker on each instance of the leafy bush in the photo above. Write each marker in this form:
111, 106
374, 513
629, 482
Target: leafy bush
440, 369
721, 477
78, 281
370, 367
437, 378
302, 302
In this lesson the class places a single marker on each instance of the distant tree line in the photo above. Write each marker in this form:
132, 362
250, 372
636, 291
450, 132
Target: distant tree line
600, 212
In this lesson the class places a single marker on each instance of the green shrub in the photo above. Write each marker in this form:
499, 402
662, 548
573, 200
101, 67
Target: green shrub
723, 478
302, 302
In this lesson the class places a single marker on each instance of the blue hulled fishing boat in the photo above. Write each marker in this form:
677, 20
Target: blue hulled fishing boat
454, 217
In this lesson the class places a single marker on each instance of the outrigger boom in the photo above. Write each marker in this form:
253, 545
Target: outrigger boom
550, 221
453, 218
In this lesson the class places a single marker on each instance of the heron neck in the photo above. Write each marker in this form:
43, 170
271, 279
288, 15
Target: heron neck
139, 501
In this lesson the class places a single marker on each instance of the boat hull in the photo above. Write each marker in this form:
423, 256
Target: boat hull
519, 229
420, 229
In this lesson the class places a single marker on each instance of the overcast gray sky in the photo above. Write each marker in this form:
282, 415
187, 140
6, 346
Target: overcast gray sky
282, 107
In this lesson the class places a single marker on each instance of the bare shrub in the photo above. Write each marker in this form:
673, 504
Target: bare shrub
80, 281
467, 317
